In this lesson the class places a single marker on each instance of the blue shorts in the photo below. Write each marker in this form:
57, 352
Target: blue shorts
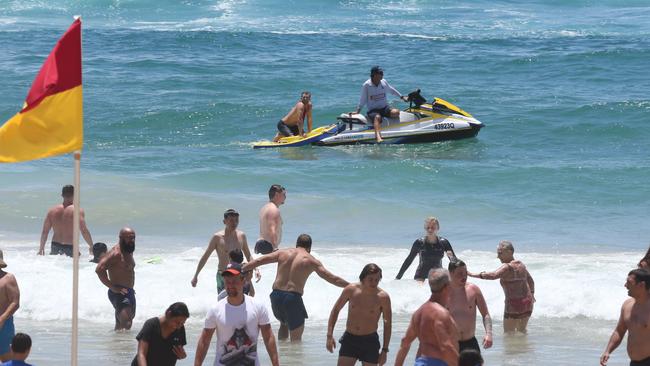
120, 301
6, 335
429, 361
288, 308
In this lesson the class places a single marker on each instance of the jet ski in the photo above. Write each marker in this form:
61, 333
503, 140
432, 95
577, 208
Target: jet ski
420, 122
314, 136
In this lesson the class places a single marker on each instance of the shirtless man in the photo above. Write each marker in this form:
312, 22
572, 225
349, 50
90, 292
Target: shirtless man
292, 124
434, 327
518, 287
116, 270
271, 221
9, 303
59, 218
366, 303
295, 265
463, 301
635, 317
223, 242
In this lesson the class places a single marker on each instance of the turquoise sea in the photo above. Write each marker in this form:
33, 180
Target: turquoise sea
175, 92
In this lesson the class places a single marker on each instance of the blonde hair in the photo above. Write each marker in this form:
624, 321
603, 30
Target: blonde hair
431, 219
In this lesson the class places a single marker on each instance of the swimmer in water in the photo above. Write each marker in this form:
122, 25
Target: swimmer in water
431, 249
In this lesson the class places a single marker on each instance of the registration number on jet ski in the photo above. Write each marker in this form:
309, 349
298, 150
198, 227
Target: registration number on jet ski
443, 126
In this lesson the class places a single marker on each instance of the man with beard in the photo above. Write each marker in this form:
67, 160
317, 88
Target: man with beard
116, 270
238, 319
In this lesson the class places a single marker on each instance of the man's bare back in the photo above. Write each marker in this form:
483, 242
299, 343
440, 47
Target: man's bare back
295, 265
9, 293
60, 219
437, 333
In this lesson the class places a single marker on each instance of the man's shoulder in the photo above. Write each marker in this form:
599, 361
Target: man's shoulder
367, 82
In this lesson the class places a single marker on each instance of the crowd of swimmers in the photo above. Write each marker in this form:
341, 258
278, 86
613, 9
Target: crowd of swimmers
445, 325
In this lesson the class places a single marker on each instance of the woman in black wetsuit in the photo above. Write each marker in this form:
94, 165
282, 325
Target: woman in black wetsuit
431, 249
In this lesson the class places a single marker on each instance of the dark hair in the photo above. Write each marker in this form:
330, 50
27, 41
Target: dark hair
470, 357
645, 258
21, 343
236, 256
454, 264
305, 92
177, 309
99, 248
368, 269
303, 241
276, 188
67, 191
641, 275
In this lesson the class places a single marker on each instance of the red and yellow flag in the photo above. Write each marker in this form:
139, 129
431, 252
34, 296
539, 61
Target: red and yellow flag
51, 121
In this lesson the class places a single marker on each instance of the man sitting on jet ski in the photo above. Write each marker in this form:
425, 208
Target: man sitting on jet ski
373, 94
292, 123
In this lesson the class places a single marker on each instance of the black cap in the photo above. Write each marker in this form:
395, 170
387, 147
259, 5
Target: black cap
230, 212
376, 70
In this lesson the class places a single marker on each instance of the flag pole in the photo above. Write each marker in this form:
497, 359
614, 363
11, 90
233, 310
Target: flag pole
75, 256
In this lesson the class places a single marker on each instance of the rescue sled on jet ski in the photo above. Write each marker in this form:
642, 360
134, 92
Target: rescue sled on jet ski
295, 141
421, 122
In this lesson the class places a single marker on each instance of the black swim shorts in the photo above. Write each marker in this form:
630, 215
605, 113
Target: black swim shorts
364, 348
286, 130
264, 247
384, 112
288, 308
471, 343
644, 362
58, 248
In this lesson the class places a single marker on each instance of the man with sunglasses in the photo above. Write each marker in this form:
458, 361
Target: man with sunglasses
292, 124
373, 95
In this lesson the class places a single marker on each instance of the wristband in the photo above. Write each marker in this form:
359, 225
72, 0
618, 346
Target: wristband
384, 349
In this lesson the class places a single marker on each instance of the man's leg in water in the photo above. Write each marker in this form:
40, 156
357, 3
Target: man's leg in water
522, 324
283, 331
125, 318
296, 334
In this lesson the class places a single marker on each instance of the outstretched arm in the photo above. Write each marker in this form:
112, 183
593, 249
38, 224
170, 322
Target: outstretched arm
247, 254
408, 260
47, 226
204, 258
329, 276
265, 259
330, 343
491, 275
309, 121
615, 339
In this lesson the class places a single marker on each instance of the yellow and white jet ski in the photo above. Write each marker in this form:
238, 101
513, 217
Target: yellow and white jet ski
314, 136
421, 122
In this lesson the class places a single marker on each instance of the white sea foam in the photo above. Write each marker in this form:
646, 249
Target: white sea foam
567, 286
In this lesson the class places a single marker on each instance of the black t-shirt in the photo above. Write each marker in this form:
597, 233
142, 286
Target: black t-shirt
160, 349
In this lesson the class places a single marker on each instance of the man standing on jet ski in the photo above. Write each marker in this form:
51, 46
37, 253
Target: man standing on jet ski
292, 123
373, 94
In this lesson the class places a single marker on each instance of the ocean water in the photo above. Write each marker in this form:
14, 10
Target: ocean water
176, 92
